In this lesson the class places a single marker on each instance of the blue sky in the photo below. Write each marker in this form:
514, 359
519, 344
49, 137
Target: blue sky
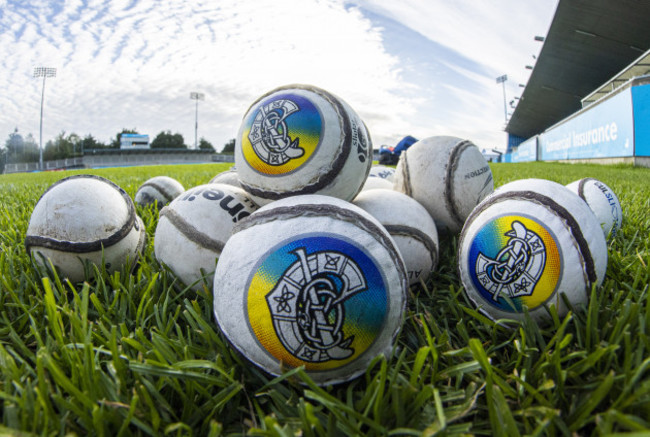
408, 67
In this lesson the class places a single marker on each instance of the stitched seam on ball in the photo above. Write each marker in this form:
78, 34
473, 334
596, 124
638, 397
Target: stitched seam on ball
452, 166
581, 187
423, 238
90, 246
345, 148
406, 175
287, 212
168, 196
190, 231
559, 210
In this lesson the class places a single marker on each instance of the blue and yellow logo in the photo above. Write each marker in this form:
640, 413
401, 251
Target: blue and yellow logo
317, 301
281, 133
515, 261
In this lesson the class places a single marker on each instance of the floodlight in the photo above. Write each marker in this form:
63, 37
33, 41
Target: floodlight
43, 72
196, 96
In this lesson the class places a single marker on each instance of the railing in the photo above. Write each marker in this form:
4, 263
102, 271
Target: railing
59, 164
120, 160
223, 158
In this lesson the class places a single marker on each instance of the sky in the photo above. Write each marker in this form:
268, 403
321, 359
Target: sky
407, 67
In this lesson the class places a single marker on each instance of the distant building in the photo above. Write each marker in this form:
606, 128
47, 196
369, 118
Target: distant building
490, 155
134, 141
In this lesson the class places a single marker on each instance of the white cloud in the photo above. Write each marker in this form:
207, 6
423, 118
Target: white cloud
496, 35
493, 33
132, 63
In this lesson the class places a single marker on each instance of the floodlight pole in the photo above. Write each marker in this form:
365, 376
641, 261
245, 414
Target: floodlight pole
43, 72
197, 97
502, 80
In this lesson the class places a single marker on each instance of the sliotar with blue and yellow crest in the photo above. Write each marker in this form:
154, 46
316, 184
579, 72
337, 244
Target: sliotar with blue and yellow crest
281, 133
312, 282
317, 302
514, 260
301, 139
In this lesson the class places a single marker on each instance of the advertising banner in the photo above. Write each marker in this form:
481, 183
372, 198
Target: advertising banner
526, 151
605, 130
641, 99
134, 141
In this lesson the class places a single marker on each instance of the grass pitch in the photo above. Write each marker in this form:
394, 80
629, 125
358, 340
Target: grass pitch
139, 354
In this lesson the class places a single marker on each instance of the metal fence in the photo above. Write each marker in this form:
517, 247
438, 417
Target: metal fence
119, 160
122, 159
59, 164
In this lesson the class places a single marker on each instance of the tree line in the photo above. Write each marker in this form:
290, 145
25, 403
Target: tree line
19, 148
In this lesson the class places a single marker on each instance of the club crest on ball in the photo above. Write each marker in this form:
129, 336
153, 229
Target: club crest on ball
514, 260
517, 267
309, 321
318, 302
270, 134
281, 134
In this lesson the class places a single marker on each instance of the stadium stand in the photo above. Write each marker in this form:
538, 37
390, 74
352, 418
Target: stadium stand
587, 96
